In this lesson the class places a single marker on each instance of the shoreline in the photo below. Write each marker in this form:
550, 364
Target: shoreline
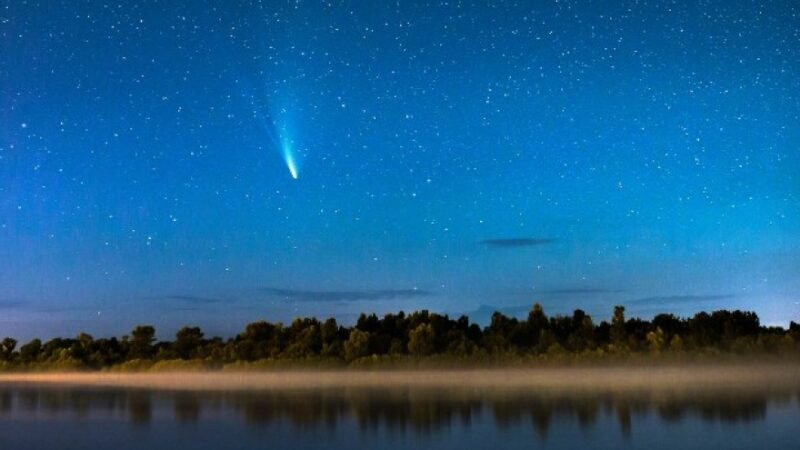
669, 378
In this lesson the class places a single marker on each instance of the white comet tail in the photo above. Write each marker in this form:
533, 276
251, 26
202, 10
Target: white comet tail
291, 164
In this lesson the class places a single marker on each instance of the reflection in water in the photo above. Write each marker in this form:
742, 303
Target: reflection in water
140, 407
421, 410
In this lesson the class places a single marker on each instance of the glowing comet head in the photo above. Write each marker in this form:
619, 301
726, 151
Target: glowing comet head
289, 158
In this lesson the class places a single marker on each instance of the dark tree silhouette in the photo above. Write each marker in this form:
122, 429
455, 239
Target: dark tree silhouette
420, 340
618, 335
30, 351
421, 334
187, 342
7, 347
357, 345
141, 343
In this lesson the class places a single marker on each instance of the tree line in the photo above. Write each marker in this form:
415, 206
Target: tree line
418, 335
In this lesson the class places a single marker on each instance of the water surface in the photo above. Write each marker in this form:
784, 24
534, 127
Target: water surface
40, 417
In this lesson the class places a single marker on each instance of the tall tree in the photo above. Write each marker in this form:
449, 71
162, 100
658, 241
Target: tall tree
30, 351
618, 326
7, 347
187, 342
357, 345
141, 343
537, 323
420, 340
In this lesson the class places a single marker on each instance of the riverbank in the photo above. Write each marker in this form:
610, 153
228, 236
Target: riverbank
676, 377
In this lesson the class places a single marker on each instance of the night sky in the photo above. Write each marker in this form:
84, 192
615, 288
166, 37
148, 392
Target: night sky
454, 156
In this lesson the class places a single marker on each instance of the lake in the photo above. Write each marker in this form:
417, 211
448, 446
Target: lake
40, 417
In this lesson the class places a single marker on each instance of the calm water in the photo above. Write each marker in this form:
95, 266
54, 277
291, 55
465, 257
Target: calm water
77, 418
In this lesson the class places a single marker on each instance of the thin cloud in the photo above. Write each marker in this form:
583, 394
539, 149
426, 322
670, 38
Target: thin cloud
10, 303
344, 296
578, 291
511, 310
679, 299
196, 299
517, 242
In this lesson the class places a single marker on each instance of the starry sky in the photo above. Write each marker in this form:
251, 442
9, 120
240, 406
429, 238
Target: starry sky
458, 156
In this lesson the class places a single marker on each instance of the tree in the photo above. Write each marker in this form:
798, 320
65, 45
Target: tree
420, 340
81, 348
30, 351
656, 341
260, 331
794, 330
7, 347
498, 333
701, 329
618, 326
357, 345
254, 343
188, 341
676, 344
582, 336
331, 342
141, 343
670, 324
305, 343
537, 323
329, 331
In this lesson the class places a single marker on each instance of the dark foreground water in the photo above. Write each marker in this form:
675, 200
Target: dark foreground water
79, 418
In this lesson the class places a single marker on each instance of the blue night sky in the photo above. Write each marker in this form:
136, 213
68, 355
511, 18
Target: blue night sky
448, 155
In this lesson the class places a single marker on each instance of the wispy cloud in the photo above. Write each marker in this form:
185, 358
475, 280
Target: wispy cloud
578, 291
344, 296
9, 303
517, 242
679, 299
196, 299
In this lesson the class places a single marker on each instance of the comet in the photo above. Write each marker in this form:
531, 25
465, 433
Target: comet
274, 121
291, 165
289, 158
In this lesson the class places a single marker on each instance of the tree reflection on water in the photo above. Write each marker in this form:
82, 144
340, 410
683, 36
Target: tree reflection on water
416, 409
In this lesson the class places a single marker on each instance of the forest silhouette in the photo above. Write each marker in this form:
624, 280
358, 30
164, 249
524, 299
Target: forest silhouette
418, 336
